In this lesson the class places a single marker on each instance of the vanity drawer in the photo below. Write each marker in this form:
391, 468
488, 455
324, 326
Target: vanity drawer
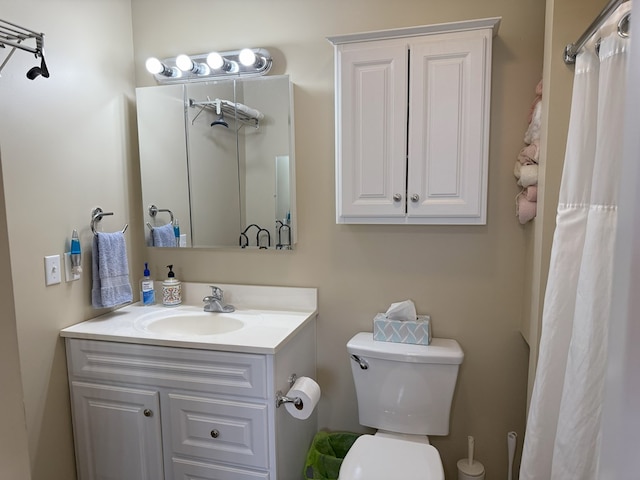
184, 469
216, 429
186, 369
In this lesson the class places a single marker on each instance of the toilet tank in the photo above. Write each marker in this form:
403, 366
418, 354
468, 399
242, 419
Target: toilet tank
405, 388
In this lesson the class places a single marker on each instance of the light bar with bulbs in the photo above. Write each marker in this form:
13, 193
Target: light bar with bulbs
248, 62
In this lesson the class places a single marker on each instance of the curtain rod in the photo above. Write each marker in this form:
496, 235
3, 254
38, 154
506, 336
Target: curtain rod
572, 49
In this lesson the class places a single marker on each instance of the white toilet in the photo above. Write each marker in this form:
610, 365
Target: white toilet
404, 391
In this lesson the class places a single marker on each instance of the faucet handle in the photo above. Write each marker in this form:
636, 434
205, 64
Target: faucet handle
216, 293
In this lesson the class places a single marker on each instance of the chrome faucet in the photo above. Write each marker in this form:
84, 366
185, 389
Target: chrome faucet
215, 302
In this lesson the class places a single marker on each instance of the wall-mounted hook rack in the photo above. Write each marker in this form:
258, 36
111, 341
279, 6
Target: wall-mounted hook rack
13, 35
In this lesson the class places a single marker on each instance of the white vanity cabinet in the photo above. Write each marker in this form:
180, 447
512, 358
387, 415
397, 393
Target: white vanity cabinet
412, 124
153, 412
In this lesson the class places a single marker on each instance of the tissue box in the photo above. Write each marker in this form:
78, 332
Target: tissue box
408, 331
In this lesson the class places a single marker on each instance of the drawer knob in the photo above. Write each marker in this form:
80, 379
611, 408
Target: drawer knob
415, 197
397, 197
148, 413
215, 433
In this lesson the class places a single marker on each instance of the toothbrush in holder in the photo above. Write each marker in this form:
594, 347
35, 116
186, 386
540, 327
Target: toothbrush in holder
176, 231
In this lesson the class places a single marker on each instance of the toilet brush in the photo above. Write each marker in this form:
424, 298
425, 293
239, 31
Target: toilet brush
511, 445
468, 468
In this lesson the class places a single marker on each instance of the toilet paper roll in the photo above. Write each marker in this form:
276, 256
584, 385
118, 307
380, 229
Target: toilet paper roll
308, 391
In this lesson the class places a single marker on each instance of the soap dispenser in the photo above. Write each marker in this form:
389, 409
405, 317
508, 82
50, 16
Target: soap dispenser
147, 293
171, 289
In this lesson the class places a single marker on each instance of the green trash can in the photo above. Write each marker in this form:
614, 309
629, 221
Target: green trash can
325, 456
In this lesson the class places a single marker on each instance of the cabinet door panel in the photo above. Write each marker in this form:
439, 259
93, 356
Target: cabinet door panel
219, 430
448, 128
115, 439
372, 105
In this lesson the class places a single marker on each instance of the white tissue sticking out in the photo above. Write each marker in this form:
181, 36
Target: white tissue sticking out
402, 311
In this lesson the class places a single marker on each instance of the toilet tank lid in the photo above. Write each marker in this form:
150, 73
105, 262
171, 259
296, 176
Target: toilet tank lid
440, 350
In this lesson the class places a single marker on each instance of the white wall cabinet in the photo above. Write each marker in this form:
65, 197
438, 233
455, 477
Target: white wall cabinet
147, 412
412, 124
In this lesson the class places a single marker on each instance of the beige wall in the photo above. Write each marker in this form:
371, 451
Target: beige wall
14, 455
68, 144
470, 279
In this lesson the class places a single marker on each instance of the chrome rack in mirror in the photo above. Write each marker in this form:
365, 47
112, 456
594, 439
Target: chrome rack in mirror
262, 232
238, 111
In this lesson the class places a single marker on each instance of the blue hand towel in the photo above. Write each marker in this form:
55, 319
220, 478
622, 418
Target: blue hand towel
163, 236
111, 285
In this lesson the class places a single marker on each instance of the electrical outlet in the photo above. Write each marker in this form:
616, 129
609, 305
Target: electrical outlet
52, 271
68, 269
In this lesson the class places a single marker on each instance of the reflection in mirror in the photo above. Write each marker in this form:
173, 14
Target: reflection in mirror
219, 157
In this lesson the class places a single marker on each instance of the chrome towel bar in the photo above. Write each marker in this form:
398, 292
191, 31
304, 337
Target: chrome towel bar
97, 214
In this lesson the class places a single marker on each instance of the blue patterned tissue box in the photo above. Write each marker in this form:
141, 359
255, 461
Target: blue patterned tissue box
408, 331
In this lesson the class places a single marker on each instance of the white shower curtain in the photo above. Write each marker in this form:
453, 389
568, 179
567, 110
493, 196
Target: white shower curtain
563, 429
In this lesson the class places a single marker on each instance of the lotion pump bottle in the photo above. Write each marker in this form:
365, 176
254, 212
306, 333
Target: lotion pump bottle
171, 289
147, 293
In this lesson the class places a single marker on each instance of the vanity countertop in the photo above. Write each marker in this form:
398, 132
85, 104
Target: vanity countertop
271, 317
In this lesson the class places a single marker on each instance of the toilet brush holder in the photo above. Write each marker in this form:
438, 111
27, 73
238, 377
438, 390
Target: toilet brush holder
468, 468
475, 471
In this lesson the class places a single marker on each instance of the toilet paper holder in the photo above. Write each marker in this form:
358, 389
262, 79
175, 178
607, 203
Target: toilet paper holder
281, 398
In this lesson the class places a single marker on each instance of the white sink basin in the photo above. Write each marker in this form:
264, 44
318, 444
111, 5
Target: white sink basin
184, 321
265, 319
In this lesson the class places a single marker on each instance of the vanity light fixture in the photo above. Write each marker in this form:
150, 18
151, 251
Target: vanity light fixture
252, 58
248, 62
158, 68
219, 63
184, 63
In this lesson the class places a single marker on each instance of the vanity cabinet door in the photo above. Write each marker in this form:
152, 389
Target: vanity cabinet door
117, 432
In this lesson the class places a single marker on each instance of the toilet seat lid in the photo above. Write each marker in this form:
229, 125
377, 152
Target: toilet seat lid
381, 458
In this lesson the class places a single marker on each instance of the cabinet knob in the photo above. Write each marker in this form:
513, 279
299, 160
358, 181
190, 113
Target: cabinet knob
415, 197
148, 413
215, 433
397, 197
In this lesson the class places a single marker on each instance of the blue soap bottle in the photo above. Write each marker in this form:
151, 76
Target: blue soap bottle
147, 293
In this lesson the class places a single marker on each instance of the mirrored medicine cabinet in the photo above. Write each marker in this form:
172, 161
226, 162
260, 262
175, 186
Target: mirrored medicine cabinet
218, 158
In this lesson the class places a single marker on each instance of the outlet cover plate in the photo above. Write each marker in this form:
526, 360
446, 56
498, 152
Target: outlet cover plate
69, 276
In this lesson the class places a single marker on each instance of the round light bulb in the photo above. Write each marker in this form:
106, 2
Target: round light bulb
184, 63
215, 60
154, 66
247, 57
